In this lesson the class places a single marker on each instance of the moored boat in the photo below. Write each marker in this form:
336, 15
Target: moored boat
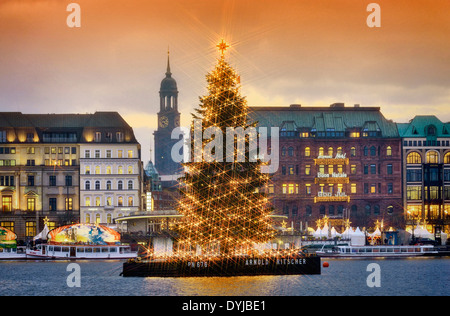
8, 246
73, 252
82, 241
377, 251
17, 253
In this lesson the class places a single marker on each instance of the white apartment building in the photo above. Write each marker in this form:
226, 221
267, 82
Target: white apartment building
110, 175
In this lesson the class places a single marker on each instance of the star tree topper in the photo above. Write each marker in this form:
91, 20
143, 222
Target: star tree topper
222, 46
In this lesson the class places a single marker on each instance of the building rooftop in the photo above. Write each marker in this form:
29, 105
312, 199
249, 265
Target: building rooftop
337, 117
81, 126
424, 126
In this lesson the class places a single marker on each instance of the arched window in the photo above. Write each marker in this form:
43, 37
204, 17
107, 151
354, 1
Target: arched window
320, 151
109, 219
97, 169
87, 185
388, 151
432, 156
97, 185
109, 201
307, 152
130, 185
87, 201
290, 151
108, 169
354, 210
413, 157
447, 158
366, 151
308, 210
130, 201
97, 218
283, 151
353, 151
108, 185
97, 201
120, 170
88, 218
130, 169
330, 151
120, 185
120, 201
376, 210
322, 210
331, 209
339, 151
431, 130
373, 151
367, 209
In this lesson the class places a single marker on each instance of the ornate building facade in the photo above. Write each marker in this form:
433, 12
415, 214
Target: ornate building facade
340, 162
426, 172
41, 156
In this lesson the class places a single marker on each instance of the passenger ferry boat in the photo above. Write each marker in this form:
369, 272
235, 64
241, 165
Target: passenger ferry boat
8, 246
81, 241
13, 253
55, 252
377, 251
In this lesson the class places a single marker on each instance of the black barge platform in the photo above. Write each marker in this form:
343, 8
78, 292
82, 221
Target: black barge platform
235, 266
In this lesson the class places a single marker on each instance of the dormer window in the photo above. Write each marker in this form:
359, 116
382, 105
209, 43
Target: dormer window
2, 136
431, 130
98, 137
119, 137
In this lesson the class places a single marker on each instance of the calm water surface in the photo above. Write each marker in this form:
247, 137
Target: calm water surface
419, 276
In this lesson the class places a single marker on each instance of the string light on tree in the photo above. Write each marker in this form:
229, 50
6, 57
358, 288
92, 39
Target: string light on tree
225, 212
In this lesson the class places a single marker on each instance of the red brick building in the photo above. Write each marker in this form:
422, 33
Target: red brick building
342, 162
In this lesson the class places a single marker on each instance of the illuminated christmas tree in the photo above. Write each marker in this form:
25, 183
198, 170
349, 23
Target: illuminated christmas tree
225, 209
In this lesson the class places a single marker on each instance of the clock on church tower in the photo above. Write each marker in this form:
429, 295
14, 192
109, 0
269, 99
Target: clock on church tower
168, 119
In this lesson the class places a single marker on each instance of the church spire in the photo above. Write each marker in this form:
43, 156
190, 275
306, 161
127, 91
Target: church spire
168, 73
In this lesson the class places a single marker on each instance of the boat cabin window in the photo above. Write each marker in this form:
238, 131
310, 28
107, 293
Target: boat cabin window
89, 250
80, 249
57, 248
96, 249
105, 249
65, 249
50, 248
112, 249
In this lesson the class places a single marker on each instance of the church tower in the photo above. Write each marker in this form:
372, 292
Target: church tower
168, 119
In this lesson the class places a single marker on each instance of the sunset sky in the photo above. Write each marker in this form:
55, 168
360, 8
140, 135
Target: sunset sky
311, 52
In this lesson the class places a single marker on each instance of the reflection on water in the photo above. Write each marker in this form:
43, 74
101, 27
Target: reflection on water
228, 286
419, 276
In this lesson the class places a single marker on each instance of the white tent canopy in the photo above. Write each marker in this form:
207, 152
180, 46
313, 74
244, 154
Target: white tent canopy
420, 231
43, 234
334, 233
358, 238
377, 232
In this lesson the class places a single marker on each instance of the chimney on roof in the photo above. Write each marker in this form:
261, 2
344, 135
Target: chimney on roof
337, 105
